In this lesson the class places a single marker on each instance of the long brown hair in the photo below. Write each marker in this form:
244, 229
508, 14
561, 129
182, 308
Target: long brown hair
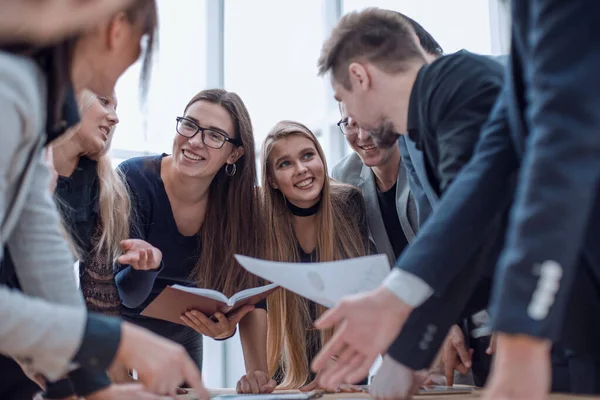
232, 222
339, 237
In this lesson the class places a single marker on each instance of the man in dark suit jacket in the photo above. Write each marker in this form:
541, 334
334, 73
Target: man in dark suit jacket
394, 210
444, 102
542, 134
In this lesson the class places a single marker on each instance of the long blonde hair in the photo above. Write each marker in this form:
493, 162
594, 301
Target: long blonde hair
339, 237
114, 201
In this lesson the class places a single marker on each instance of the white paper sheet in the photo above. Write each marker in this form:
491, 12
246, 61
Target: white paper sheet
324, 283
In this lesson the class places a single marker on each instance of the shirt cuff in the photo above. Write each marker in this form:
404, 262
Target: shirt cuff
59, 389
409, 288
100, 342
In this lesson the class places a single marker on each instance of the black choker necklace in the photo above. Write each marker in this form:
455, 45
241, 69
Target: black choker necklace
303, 212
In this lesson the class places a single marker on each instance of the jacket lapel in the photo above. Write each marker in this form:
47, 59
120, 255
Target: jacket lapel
402, 194
376, 226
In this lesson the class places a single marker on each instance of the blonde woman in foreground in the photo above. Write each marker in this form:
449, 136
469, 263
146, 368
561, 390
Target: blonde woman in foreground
309, 218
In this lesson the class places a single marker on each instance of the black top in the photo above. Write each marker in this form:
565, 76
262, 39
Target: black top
78, 202
357, 210
313, 335
154, 223
77, 198
389, 214
450, 101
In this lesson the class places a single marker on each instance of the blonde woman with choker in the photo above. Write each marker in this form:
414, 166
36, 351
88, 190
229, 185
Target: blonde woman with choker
309, 218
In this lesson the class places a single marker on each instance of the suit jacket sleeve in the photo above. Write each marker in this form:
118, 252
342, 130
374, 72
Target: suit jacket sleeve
466, 210
453, 234
558, 181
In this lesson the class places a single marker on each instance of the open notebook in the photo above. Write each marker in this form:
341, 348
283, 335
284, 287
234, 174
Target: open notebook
176, 300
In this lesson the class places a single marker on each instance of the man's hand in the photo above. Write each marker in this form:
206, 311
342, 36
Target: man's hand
521, 370
223, 329
394, 381
256, 382
343, 388
140, 255
455, 355
162, 365
365, 326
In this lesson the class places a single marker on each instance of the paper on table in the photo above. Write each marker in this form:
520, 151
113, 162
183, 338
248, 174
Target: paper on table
326, 282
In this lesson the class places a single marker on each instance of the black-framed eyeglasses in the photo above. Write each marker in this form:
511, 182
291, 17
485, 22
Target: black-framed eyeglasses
210, 137
346, 128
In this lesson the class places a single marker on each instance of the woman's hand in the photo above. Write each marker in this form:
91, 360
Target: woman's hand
256, 382
140, 255
223, 329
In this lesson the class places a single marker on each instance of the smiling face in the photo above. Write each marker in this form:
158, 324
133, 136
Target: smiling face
98, 120
191, 157
297, 170
362, 142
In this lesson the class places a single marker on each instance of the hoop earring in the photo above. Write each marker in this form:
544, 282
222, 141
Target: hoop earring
230, 169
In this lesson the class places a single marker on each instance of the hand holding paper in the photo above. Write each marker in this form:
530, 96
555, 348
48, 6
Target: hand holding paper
324, 282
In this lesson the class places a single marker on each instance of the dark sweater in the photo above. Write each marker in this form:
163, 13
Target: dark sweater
153, 222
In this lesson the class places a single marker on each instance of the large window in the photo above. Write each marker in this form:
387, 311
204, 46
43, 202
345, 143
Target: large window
456, 24
179, 72
271, 50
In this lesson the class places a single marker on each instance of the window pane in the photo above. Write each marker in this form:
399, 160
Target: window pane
271, 51
179, 72
456, 24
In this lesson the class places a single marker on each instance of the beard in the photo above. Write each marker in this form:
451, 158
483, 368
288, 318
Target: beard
385, 136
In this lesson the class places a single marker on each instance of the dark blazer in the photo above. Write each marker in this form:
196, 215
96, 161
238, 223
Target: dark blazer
543, 133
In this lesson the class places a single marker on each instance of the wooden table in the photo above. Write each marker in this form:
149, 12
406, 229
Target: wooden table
475, 395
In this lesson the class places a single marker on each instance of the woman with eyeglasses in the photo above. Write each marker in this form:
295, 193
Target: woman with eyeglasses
194, 209
310, 218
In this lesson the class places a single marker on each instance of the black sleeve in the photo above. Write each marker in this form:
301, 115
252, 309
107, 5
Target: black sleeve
135, 286
59, 390
461, 104
86, 382
100, 342
262, 304
81, 382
